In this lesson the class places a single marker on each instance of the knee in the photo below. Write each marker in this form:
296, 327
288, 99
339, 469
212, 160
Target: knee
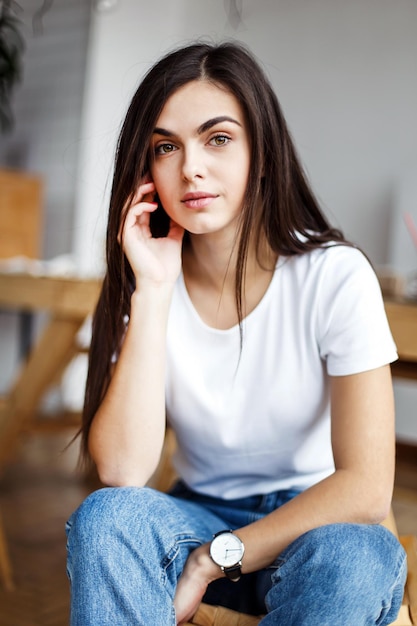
349, 547
348, 557
109, 513
339, 570
337, 546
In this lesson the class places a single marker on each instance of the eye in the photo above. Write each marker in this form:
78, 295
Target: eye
219, 140
165, 148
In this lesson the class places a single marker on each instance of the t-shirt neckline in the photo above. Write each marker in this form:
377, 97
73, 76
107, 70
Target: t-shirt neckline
233, 329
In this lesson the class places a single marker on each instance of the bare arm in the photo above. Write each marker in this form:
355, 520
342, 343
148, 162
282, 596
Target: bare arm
360, 489
128, 429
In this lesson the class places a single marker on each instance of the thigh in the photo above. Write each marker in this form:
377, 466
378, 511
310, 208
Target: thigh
140, 514
126, 550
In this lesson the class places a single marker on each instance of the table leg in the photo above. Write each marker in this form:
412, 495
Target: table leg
48, 358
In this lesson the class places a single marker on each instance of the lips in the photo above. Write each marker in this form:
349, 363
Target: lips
198, 199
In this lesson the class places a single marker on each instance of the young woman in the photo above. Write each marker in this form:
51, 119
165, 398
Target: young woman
233, 311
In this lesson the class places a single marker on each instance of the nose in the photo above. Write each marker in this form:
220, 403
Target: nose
193, 165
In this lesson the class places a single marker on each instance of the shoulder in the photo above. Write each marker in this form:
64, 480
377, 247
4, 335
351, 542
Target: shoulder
340, 273
351, 325
328, 267
337, 255
342, 264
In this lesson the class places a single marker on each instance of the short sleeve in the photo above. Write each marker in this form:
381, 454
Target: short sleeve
352, 326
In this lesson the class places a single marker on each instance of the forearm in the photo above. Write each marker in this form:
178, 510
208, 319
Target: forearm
342, 497
127, 432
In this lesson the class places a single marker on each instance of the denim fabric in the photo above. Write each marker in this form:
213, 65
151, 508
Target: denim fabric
127, 548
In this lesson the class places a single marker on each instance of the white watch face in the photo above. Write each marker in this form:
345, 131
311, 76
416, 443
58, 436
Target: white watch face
226, 549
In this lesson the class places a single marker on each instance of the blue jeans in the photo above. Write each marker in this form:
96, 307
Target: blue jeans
127, 548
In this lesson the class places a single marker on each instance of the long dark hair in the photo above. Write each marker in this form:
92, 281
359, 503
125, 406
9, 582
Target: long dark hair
288, 216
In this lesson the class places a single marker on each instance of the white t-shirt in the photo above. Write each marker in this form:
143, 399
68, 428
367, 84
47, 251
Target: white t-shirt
261, 422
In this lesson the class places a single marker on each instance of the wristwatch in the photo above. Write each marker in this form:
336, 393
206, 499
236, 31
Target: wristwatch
226, 550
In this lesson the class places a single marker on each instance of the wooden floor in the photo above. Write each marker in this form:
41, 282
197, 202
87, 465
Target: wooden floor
40, 490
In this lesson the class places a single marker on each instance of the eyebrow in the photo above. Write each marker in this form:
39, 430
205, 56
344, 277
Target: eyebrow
201, 129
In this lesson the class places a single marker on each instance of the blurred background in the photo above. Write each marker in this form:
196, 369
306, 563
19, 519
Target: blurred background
345, 74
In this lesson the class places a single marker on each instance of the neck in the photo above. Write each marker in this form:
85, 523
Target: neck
213, 263
210, 278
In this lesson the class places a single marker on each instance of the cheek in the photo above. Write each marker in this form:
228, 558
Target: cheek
164, 191
239, 182
159, 180
163, 175
153, 171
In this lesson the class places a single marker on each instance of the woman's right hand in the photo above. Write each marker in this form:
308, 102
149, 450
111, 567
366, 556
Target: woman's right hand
157, 260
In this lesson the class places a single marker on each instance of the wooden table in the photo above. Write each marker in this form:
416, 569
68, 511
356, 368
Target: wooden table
402, 317
67, 302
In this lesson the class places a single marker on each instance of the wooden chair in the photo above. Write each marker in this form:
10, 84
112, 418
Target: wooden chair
219, 616
20, 214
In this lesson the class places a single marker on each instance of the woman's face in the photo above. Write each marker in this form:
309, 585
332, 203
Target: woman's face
201, 158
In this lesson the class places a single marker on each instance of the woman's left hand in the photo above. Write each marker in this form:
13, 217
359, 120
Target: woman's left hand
198, 572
